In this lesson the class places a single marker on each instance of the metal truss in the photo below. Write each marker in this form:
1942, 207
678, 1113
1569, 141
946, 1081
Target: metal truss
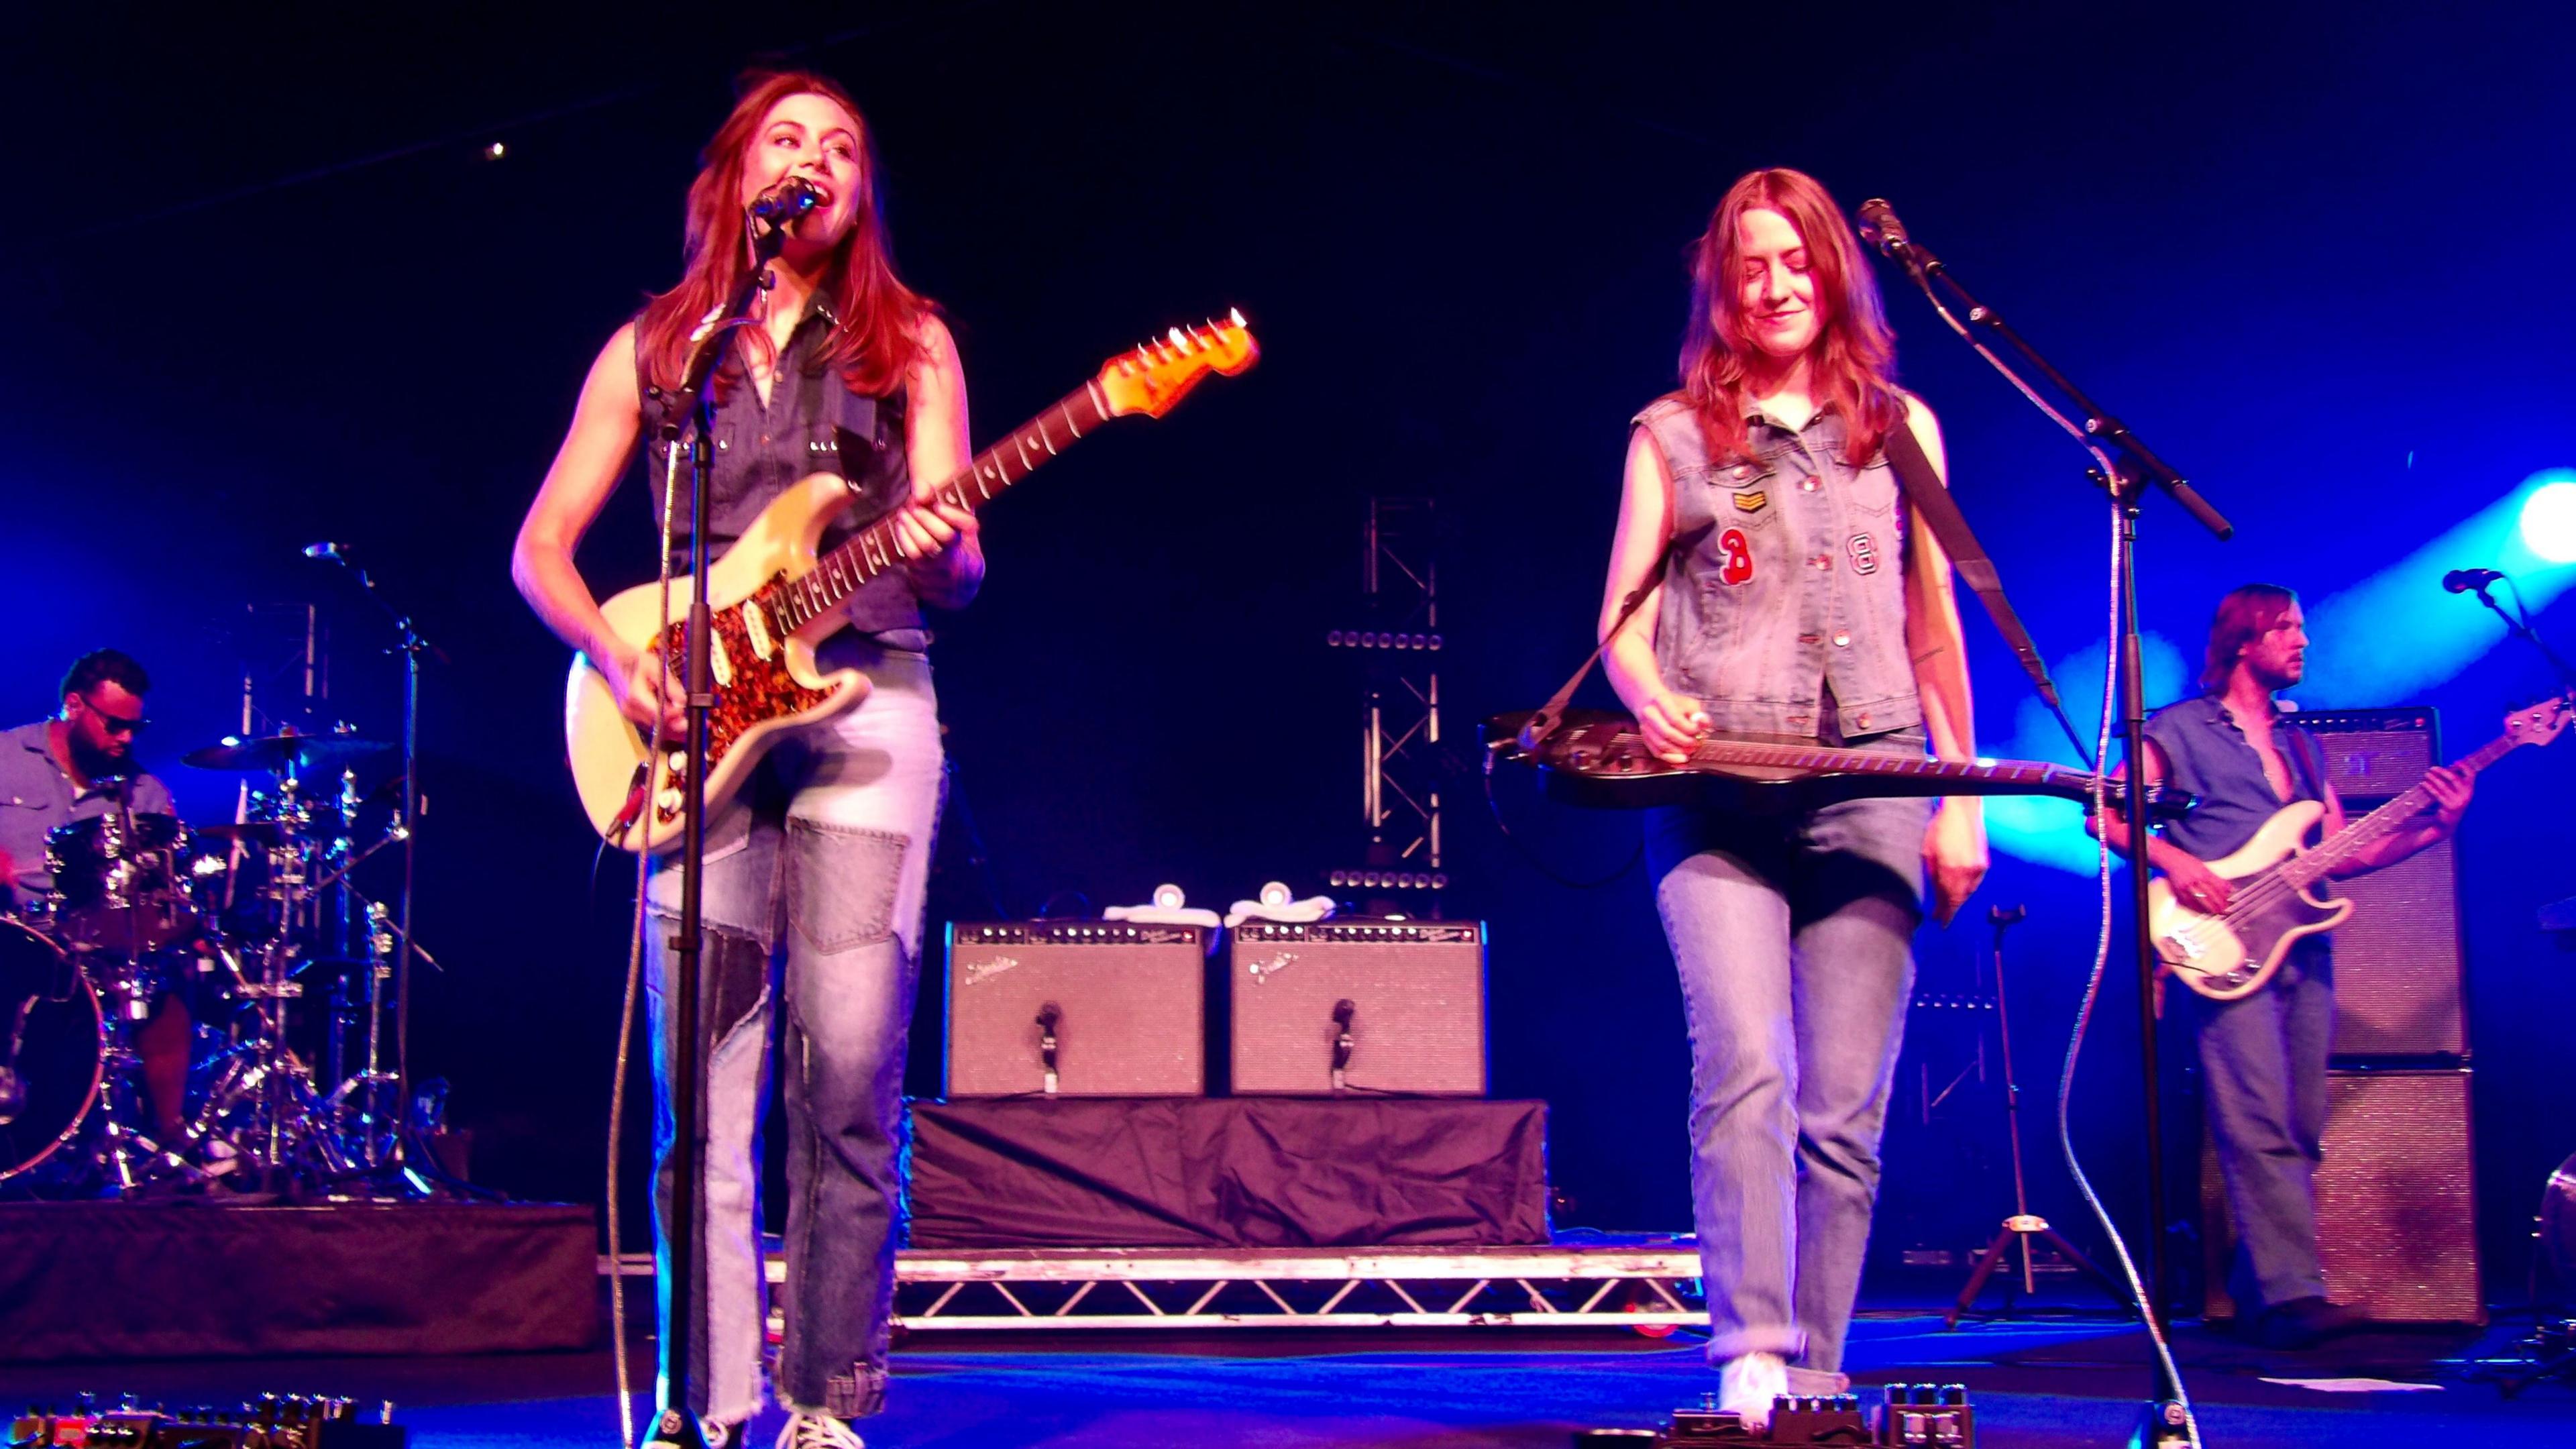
1399, 653
1533, 1287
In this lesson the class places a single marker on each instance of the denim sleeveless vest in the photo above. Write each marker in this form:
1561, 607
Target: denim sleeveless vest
812, 423
1786, 580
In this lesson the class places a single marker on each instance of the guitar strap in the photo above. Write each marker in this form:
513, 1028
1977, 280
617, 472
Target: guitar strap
1539, 726
1940, 513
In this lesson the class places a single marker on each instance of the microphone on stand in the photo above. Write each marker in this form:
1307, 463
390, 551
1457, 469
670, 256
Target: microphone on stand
1880, 228
1343, 1010
2460, 581
1048, 1016
786, 201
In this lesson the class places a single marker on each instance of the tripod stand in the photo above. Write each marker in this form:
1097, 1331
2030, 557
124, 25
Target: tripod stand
2024, 1224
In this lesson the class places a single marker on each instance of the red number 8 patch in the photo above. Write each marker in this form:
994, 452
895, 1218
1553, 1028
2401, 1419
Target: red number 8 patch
1737, 567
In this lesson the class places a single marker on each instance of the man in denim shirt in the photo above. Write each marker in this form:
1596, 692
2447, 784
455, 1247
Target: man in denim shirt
72, 767
2264, 1055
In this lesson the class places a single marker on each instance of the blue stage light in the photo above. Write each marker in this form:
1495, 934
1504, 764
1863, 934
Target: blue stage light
2549, 520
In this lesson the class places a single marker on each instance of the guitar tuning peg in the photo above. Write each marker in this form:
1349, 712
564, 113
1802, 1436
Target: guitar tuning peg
1180, 343
1234, 315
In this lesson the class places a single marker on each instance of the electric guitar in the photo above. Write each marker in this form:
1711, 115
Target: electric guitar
1597, 759
2231, 954
774, 597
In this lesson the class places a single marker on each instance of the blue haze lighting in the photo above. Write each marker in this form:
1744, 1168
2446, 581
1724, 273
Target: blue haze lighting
2051, 832
2393, 635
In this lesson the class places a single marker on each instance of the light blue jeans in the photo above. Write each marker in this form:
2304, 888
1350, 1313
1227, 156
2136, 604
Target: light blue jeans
1792, 934
819, 907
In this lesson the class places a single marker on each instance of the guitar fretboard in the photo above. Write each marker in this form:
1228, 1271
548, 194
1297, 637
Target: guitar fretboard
2305, 870
2002, 775
839, 573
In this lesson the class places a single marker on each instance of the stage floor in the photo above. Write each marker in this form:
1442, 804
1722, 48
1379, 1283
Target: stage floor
2036, 1386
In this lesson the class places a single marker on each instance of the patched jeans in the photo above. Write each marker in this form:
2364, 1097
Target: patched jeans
818, 908
1793, 936
2263, 1060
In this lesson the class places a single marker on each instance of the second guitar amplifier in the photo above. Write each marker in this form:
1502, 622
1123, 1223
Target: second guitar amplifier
1076, 1008
1358, 1005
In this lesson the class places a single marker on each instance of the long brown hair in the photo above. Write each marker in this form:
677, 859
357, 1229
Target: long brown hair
874, 335
1854, 355
2245, 615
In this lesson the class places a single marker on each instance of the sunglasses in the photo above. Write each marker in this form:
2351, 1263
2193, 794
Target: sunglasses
116, 724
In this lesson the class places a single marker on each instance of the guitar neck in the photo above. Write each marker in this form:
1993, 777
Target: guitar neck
2361, 834
873, 550
2003, 776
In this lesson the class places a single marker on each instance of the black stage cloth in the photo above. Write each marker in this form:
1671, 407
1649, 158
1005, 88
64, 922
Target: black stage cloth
1227, 1172
134, 1280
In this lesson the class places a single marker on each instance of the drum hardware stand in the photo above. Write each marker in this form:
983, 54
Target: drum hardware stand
2024, 1224
2125, 469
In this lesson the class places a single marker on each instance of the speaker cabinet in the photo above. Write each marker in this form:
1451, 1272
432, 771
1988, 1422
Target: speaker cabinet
2396, 1213
2398, 961
1414, 993
1127, 1003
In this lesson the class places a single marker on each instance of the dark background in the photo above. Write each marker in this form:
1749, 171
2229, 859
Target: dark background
265, 290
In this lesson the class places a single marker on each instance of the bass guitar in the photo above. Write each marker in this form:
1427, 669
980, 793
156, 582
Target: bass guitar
2269, 904
774, 596
1596, 758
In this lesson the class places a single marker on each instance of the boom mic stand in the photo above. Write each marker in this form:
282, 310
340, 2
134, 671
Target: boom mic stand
2125, 468
675, 1425
412, 646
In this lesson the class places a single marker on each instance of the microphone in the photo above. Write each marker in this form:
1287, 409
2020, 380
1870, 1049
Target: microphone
1342, 1013
1048, 1016
2460, 581
327, 550
1880, 228
786, 201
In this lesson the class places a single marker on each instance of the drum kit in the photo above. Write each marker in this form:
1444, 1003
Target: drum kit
251, 924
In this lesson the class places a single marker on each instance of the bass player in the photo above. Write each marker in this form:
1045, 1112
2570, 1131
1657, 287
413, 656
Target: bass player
2264, 1056
813, 898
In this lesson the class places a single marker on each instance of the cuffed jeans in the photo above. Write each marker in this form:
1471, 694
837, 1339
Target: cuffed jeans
819, 908
2264, 1059
1793, 937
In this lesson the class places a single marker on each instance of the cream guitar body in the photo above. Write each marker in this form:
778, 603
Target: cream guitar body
766, 682
2271, 899
776, 594
2227, 956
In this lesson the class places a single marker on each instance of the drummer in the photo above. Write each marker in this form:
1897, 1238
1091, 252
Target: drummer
72, 767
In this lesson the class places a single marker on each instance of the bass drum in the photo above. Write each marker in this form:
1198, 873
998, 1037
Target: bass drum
52, 1048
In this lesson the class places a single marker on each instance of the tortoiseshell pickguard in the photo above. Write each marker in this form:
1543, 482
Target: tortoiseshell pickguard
761, 690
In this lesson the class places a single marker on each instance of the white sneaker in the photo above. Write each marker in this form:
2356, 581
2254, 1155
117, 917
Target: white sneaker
1747, 1385
818, 1431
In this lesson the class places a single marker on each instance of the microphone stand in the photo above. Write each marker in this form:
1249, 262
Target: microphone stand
2521, 629
675, 1425
412, 646
2127, 468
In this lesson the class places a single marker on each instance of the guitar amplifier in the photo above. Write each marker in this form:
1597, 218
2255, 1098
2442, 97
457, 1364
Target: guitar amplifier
2397, 1223
2398, 962
1408, 995
1126, 1004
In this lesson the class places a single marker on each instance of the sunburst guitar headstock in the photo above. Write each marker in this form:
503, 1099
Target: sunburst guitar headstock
1154, 377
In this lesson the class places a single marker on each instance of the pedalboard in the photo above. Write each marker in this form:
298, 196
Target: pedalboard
273, 1421
1905, 1416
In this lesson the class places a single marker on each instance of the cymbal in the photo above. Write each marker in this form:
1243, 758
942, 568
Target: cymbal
277, 753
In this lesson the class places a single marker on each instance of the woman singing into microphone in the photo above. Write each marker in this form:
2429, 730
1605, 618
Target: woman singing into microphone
813, 889
1792, 596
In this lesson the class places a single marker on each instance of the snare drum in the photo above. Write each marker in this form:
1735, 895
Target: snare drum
117, 882
52, 1046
